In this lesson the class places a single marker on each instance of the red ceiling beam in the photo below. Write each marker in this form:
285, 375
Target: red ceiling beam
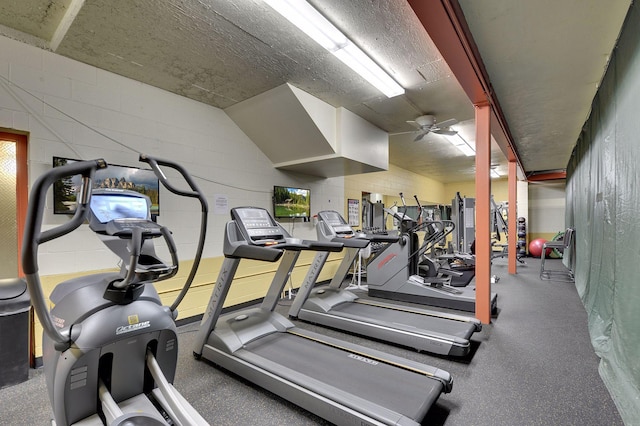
539, 177
445, 23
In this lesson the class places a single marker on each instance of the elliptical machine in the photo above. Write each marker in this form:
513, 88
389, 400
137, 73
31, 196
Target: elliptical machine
110, 347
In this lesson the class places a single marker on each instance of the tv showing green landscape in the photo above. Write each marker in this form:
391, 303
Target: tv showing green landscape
290, 202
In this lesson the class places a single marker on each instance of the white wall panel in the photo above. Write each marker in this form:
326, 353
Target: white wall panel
137, 118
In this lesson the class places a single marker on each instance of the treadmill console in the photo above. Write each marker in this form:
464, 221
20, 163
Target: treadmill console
339, 228
258, 227
337, 223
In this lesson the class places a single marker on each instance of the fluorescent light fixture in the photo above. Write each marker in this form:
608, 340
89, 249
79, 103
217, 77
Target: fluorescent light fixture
460, 143
311, 22
469, 150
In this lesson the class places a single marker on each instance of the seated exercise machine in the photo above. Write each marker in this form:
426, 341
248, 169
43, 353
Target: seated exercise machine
393, 273
339, 381
334, 306
110, 347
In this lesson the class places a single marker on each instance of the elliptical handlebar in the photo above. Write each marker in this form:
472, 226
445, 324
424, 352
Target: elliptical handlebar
136, 243
397, 215
155, 164
195, 192
441, 229
173, 252
33, 235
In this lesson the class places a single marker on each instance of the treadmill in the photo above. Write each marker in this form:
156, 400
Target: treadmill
344, 383
393, 273
334, 306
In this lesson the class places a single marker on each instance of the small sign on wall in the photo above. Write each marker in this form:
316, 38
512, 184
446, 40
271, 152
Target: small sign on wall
354, 211
221, 204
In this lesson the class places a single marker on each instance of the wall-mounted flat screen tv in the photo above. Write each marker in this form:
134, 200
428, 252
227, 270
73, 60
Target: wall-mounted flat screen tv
143, 181
289, 202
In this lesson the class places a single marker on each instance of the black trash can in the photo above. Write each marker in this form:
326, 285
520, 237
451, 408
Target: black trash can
14, 331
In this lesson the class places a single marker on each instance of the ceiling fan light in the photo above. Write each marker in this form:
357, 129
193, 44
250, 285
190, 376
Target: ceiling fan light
425, 120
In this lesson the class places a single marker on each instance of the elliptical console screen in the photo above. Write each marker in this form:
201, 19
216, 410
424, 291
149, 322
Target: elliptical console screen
106, 208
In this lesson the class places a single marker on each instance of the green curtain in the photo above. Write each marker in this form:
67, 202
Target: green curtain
603, 205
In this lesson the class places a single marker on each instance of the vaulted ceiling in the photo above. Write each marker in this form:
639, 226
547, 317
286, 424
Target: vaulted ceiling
544, 60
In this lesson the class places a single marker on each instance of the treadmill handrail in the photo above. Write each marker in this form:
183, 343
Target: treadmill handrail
352, 242
302, 245
326, 231
236, 245
321, 246
382, 238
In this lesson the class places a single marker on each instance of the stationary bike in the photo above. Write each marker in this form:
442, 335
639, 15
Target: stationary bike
110, 347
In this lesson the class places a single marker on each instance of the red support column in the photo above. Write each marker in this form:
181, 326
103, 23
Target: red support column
483, 211
512, 213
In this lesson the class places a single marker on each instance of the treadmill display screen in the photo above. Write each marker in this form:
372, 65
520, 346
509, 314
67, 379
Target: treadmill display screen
337, 223
332, 218
258, 224
254, 218
109, 207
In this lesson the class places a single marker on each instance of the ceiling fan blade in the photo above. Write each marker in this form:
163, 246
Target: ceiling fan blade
420, 136
446, 131
402, 133
447, 123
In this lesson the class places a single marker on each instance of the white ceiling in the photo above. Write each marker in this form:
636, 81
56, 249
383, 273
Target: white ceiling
544, 59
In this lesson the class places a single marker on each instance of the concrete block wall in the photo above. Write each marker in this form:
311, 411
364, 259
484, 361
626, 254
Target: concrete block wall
78, 111
70, 109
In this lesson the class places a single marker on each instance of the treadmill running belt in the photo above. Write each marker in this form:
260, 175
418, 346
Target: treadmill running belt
424, 323
403, 391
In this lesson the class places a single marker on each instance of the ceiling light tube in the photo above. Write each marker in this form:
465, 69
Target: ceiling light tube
460, 143
311, 22
358, 61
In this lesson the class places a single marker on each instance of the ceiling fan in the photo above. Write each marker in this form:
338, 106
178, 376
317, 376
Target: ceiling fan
427, 124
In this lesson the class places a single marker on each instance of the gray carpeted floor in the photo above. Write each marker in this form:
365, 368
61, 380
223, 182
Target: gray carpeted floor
534, 365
